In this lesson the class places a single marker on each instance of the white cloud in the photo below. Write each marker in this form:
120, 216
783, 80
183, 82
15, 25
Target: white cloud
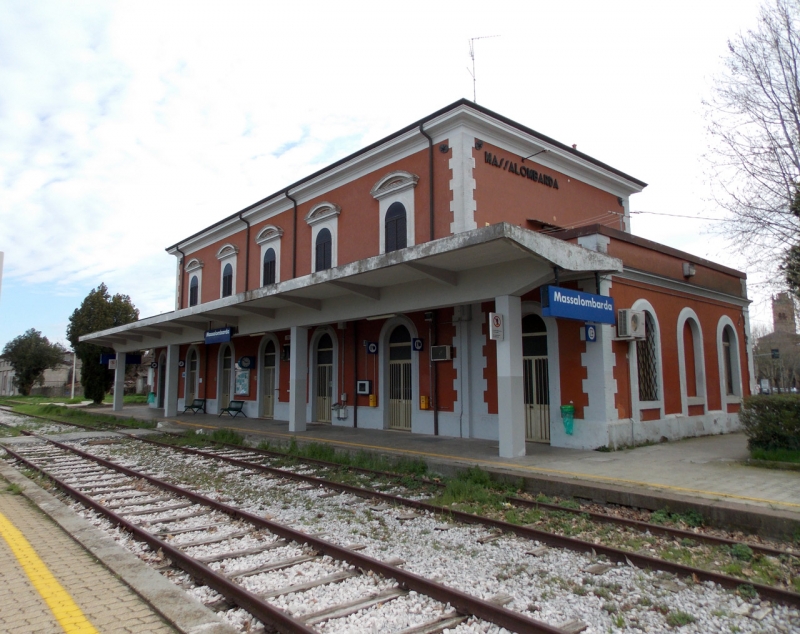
127, 126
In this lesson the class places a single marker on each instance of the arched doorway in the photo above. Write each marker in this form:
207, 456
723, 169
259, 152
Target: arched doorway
226, 378
268, 381
400, 391
324, 383
191, 377
162, 379
536, 380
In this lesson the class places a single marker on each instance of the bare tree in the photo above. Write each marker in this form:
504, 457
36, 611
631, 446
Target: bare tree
754, 124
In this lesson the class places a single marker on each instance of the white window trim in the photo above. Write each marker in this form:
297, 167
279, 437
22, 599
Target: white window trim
324, 215
687, 314
270, 238
383, 372
195, 269
637, 405
736, 364
227, 255
395, 187
312, 368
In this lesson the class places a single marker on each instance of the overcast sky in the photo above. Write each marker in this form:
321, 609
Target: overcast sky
127, 126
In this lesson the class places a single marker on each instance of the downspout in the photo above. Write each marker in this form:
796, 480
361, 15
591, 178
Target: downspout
430, 179
434, 369
246, 255
294, 235
355, 374
180, 279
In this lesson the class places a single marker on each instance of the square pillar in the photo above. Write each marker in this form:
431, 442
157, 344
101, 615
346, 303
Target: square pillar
510, 395
171, 381
119, 382
298, 379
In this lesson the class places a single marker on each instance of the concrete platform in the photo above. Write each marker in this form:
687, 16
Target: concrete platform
706, 474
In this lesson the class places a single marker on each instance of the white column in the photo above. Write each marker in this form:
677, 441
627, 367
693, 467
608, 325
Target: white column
510, 396
119, 382
601, 386
171, 381
298, 379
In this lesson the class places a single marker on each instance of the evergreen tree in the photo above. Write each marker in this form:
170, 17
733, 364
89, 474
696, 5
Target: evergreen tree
98, 311
30, 355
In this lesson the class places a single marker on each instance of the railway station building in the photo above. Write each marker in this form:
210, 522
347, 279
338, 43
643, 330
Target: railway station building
465, 276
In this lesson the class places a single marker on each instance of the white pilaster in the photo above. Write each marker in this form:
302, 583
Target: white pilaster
119, 382
171, 381
298, 379
462, 164
510, 396
600, 386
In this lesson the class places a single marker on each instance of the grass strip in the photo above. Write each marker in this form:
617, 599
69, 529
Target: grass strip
82, 417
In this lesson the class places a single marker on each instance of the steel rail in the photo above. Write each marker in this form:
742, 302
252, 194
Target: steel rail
251, 602
461, 601
615, 554
639, 525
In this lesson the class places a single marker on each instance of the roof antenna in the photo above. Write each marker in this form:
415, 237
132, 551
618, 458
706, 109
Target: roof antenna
472, 55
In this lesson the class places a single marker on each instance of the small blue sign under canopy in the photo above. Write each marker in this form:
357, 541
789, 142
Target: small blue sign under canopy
219, 335
569, 304
130, 359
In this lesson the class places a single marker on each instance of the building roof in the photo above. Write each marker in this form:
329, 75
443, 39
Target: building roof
453, 106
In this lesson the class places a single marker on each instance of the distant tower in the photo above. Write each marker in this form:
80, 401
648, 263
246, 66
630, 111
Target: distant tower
783, 314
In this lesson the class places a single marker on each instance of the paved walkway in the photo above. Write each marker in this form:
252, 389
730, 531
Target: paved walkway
48, 583
710, 467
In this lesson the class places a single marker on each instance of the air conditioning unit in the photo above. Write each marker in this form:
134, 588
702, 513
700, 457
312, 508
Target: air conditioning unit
630, 324
363, 387
440, 353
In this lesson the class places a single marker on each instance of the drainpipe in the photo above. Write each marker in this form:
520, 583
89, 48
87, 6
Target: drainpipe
355, 374
294, 235
246, 255
180, 279
430, 179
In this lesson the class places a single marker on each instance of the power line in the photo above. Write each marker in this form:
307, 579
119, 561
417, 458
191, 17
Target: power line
656, 213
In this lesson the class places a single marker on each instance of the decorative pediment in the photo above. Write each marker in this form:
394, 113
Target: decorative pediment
193, 265
227, 251
322, 211
393, 182
269, 233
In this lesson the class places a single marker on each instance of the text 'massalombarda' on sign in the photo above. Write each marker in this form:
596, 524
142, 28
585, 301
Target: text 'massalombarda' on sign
219, 335
569, 304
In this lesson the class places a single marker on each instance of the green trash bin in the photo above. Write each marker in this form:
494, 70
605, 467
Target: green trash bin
151, 398
568, 416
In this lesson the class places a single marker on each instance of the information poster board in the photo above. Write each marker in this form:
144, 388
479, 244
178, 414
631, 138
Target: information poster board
242, 383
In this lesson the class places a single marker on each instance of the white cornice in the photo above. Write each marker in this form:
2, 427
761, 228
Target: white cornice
393, 183
194, 264
226, 251
268, 234
322, 211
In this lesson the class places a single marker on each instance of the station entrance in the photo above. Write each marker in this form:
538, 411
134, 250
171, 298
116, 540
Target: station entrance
268, 381
400, 389
536, 380
324, 398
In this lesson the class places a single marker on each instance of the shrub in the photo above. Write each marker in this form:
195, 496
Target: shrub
772, 422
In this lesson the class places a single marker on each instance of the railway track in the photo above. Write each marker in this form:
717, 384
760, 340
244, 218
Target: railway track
247, 458
157, 515
638, 525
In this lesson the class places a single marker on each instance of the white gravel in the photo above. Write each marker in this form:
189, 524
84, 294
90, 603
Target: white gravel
553, 587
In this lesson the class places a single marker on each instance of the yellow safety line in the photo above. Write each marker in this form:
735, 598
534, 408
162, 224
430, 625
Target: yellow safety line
510, 465
66, 611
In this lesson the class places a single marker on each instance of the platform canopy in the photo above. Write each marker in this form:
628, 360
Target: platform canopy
464, 268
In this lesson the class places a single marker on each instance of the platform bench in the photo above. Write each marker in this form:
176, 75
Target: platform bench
233, 410
196, 405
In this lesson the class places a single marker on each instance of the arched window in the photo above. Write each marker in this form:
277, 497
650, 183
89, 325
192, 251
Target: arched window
193, 290
647, 360
269, 267
690, 365
396, 237
534, 336
729, 362
227, 281
323, 254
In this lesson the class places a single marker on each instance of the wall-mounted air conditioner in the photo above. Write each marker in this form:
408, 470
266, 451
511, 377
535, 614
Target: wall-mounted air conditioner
363, 387
440, 353
630, 324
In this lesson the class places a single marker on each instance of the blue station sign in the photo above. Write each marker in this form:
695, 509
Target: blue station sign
569, 304
219, 335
